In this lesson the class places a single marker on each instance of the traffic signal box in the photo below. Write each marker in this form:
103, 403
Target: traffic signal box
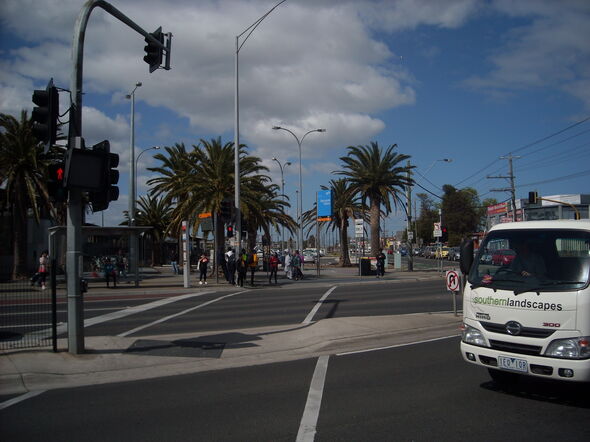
108, 191
229, 231
226, 211
45, 115
153, 52
56, 183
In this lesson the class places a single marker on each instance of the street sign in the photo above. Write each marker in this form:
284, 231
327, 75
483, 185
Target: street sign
358, 228
324, 203
437, 233
453, 281
410, 236
205, 215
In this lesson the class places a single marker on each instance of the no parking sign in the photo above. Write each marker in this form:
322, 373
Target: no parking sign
453, 281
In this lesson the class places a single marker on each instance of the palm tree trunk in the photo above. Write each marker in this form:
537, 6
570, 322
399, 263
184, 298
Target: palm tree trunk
19, 240
375, 224
344, 252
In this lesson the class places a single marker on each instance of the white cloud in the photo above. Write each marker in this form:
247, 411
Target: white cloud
551, 50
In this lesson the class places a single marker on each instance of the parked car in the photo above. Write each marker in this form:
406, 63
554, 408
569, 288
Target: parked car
454, 254
308, 258
503, 257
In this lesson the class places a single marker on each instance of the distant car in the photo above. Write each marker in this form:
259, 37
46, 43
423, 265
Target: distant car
503, 257
403, 252
308, 258
454, 254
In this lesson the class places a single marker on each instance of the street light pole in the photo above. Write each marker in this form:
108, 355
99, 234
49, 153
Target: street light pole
288, 163
239, 45
300, 209
133, 244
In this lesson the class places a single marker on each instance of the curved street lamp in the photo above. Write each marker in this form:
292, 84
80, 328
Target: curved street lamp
248, 31
288, 163
300, 209
137, 160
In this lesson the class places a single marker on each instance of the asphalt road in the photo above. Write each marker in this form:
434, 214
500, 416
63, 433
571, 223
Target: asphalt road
419, 392
239, 309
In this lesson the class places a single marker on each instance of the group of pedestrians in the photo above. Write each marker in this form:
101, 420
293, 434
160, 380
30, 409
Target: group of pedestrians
293, 264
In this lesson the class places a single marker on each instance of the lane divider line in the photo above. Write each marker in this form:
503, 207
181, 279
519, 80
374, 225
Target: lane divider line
166, 318
396, 345
311, 413
22, 397
314, 310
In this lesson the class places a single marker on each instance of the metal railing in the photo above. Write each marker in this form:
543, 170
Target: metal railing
27, 314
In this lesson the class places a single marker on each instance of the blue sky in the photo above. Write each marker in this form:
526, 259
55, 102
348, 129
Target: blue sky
466, 80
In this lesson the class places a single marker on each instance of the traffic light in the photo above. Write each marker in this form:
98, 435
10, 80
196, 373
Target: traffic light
533, 197
226, 210
55, 183
244, 225
45, 115
153, 51
445, 234
229, 231
110, 176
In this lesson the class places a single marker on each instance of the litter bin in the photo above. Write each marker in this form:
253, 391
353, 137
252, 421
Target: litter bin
366, 270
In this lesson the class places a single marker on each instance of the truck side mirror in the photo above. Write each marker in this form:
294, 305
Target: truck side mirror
466, 255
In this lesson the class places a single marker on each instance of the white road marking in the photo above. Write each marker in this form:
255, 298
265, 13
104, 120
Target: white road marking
63, 327
395, 346
23, 397
316, 307
309, 420
166, 318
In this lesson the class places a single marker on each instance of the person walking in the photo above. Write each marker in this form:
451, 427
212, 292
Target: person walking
43, 268
296, 263
174, 261
242, 263
274, 267
253, 264
110, 271
381, 264
288, 266
202, 264
230, 259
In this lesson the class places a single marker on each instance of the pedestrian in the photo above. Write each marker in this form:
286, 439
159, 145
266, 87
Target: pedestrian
274, 267
43, 268
110, 271
296, 263
174, 261
381, 264
242, 267
202, 264
288, 266
230, 259
223, 263
121, 262
253, 264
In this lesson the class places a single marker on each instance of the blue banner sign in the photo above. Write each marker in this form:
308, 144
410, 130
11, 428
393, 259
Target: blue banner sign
324, 203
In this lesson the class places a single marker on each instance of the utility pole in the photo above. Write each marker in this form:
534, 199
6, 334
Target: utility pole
510, 177
409, 231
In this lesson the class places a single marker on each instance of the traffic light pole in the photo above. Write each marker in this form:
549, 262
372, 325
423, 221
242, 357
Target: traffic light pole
75, 207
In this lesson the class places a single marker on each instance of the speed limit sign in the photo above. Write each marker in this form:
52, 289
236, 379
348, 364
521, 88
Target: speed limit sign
453, 281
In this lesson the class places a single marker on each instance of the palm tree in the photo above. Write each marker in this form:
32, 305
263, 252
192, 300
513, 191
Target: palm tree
155, 212
377, 176
24, 175
344, 205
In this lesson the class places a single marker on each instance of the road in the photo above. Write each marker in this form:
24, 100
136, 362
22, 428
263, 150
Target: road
416, 392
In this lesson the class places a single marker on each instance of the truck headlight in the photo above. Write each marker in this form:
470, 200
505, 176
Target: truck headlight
471, 335
571, 348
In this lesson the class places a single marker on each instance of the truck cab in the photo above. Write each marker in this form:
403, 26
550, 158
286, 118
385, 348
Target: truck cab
529, 315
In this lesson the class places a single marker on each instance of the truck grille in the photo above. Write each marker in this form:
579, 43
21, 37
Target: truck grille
527, 332
516, 348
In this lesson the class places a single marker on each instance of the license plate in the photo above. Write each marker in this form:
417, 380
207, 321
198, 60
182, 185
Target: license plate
513, 364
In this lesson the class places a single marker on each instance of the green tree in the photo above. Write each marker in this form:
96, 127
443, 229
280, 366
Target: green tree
378, 176
460, 212
155, 212
428, 216
23, 172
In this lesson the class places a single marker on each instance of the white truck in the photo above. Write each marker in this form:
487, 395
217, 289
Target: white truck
527, 311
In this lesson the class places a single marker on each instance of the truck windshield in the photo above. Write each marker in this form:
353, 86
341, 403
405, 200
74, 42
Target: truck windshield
532, 260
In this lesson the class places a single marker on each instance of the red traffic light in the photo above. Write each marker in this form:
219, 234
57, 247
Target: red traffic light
59, 174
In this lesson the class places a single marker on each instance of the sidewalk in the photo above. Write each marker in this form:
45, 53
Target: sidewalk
116, 359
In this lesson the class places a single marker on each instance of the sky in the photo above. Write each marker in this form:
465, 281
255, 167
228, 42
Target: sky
469, 81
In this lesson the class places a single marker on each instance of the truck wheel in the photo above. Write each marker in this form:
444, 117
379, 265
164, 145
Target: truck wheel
504, 377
